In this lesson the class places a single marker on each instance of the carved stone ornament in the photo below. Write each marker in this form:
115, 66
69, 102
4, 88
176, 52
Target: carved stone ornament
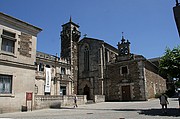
25, 44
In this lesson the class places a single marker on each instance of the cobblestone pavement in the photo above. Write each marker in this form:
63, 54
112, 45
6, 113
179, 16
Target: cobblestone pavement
107, 110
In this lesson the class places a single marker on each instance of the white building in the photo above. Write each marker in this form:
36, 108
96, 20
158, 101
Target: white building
17, 56
25, 73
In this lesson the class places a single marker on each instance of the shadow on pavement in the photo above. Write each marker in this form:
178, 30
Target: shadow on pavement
155, 112
67, 107
173, 112
158, 112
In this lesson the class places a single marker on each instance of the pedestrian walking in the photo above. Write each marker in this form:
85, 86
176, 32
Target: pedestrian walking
75, 101
164, 102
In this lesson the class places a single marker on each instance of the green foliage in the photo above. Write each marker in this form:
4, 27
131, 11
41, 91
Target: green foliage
170, 63
177, 83
171, 91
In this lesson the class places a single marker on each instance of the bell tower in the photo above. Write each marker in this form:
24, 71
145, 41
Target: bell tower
70, 36
124, 50
123, 47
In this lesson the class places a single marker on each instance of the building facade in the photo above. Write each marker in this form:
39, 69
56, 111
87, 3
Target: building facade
24, 71
17, 56
60, 82
132, 77
93, 56
88, 67
116, 73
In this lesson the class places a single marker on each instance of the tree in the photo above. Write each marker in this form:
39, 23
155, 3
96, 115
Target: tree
170, 63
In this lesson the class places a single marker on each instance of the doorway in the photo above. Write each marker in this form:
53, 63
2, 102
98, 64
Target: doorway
126, 94
63, 90
87, 92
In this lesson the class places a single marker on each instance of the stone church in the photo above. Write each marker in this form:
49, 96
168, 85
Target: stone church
101, 69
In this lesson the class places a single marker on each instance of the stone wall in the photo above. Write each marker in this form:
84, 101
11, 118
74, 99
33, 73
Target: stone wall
99, 98
115, 81
42, 101
142, 78
155, 84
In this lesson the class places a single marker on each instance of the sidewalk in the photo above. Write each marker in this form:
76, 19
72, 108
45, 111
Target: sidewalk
107, 110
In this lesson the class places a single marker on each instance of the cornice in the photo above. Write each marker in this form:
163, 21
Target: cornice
17, 64
19, 24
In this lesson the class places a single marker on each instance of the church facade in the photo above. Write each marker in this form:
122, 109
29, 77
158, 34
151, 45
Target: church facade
114, 72
132, 77
94, 55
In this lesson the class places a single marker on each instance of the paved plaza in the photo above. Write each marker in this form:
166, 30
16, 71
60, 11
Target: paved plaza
107, 110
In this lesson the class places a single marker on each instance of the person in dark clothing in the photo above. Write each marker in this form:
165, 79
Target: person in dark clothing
164, 102
75, 101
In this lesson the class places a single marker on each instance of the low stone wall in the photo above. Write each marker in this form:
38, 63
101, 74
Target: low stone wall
99, 98
46, 101
69, 100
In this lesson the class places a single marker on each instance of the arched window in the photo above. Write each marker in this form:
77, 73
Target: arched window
86, 58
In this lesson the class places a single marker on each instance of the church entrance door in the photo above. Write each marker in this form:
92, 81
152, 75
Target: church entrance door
87, 92
126, 94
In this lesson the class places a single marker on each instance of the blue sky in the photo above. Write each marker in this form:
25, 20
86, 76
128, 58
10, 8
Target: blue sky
148, 24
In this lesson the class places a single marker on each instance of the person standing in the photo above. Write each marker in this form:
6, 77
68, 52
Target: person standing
75, 101
164, 102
